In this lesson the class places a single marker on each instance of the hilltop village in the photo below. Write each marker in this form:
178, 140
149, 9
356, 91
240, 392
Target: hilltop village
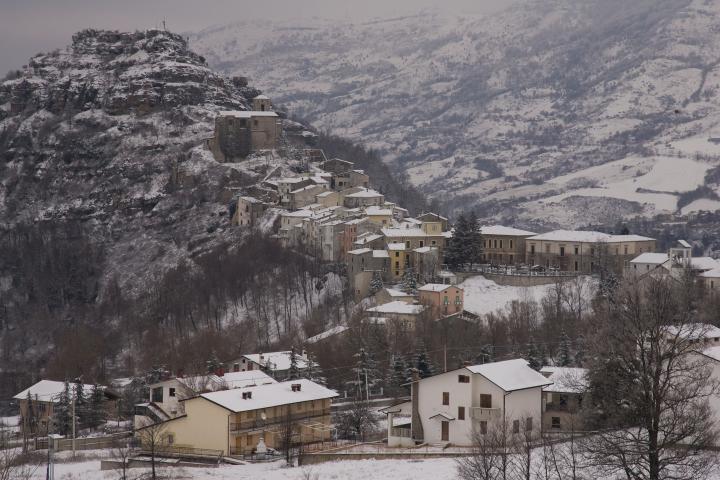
405, 272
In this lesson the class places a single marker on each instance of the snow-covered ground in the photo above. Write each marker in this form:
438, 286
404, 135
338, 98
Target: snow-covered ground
485, 296
344, 470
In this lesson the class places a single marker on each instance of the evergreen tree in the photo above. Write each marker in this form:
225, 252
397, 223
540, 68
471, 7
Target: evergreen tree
294, 372
474, 238
564, 350
399, 376
62, 411
213, 364
313, 372
486, 354
533, 356
456, 251
31, 415
364, 373
579, 351
376, 284
96, 407
408, 281
81, 404
423, 362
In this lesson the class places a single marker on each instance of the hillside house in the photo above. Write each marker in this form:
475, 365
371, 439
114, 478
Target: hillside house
262, 103
711, 281
442, 300
431, 217
448, 407
426, 263
248, 211
369, 240
675, 262
287, 185
166, 397
38, 401
380, 216
328, 198
304, 196
388, 294
585, 252
362, 263
234, 422
362, 197
563, 400
503, 245
238, 133
396, 316
423, 235
275, 364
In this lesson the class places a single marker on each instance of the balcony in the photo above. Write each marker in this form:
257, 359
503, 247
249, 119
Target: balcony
400, 432
257, 424
480, 413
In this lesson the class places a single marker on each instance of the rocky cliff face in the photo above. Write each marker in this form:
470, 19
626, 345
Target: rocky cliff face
108, 135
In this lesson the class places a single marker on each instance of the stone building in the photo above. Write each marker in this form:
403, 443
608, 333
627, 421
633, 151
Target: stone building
248, 211
503, 245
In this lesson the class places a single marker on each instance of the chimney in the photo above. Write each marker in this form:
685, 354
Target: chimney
295, 387
247, 395
466, 363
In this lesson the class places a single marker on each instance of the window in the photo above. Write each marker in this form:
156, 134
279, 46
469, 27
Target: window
463, 379
576, 266
433, 243
170, 439
236, 367
457, 300
626, 250
407, 244
528, 424
577, 251
532, 249
511, 258
562, 251
461, 413
485, 400
171, 392
445, 300
157, 394
501, 244
555, 422
511, 244
483, 427
446, 398
422, 244
547, 248
516, 426
495, 243
397, 254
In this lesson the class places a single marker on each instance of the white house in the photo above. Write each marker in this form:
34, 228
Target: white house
447, 407
277, 364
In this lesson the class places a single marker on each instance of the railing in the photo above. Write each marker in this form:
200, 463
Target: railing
236, 427
400, 432
518, 271
182, 451
481, 413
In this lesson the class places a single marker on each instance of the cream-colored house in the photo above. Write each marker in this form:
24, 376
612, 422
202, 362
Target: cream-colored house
563, 400
362, 197
276, 364
448, 407
396, 315
711, 281
234, 421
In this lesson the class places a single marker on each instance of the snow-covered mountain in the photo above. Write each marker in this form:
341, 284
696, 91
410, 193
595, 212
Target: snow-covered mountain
564, 112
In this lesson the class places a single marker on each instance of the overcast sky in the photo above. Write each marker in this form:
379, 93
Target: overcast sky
31, 26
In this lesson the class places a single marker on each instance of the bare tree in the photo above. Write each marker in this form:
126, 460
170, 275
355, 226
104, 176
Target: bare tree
121, 453
153, 438
650, 387
14, 464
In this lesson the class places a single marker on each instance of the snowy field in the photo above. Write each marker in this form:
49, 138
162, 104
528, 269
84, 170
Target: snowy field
485, 296
434, 469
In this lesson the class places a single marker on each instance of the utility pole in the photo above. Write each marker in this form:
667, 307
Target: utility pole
445, 356
367, 389
73, 427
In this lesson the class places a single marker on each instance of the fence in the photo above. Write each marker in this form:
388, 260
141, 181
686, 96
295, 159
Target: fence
83, 443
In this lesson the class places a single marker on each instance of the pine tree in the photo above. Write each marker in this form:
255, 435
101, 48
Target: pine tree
399, 377
475, 243
408, 281
213, 364
81, 404
533, 357
486, 354
62, 411
96, 407
423, 362
564, 350
293, 372
313, 372
579, 351
456, 252
364, 373
376, 284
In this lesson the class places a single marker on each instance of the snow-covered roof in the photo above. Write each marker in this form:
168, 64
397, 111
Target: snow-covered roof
396, 246
246, 379
684, 244
327, 333
507, 231
587, 237
714, 273
261, 97
367, 237
566, 379
436, 287
704, 263
304, 189
403, 232
394, 292
380, 254
359, 251
651, 258
247, 113
47, 390
378, 211
712, 352
326, 194
694, 331
276, 361
424, 249
251, 199
364, 193
511, 374
291, 180
397, 307
266, 396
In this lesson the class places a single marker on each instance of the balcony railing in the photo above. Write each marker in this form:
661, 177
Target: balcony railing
252, 424
481, 413
400, 432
